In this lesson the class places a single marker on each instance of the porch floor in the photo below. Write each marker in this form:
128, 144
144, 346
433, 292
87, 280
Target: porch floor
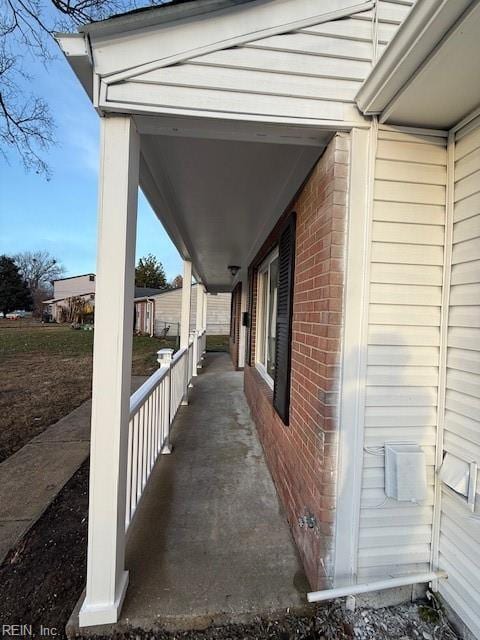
210, 542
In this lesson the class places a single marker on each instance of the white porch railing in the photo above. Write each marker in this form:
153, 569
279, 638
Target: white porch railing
191, 358
153, 408
201, 345
178, 380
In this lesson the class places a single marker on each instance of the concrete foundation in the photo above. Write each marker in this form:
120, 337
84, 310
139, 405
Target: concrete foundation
209, 543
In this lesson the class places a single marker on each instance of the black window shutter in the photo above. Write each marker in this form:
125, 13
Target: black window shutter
283, 349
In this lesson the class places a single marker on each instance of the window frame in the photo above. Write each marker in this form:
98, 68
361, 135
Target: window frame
262, 316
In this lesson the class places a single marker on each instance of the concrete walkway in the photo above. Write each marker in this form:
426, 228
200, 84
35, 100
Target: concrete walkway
32, 477
209, 543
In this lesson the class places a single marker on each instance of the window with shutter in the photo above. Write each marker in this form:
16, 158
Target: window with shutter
249, 342
267, 293
273, 317
286, 271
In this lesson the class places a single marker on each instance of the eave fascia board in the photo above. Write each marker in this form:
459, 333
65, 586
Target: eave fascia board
423, 29
76, 49
156, 15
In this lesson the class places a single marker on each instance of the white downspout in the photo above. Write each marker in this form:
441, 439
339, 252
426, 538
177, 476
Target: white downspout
379, 585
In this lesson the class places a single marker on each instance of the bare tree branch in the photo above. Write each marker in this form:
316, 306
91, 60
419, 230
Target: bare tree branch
38, 268
27, 28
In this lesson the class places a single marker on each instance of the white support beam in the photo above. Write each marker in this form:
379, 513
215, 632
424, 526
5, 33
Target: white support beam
199, 308
243, 330
354, 354
205, 303
186, 298
112, 361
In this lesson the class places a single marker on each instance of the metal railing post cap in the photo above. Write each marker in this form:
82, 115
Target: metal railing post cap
164, 356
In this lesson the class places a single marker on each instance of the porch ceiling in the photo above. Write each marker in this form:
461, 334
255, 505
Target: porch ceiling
218, 199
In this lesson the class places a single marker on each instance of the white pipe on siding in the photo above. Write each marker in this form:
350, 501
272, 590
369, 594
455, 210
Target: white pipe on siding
379, 585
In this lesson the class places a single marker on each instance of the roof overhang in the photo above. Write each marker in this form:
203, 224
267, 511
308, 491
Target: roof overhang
428, 76
218, 181
76, 48
112, 50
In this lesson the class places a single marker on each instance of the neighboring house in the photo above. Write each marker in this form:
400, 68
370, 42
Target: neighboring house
165, 310
336, 163
74, 286
82, 286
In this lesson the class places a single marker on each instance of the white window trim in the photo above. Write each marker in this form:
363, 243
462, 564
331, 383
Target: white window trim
264, 267
263, 372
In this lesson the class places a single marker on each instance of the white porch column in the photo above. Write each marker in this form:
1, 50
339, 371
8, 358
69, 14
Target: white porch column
112, 360
243, 330
199, 310
186, 298
198, 327
204, 296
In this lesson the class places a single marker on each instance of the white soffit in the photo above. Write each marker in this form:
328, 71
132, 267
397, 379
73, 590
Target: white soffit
428, 76
219, 199
447, 87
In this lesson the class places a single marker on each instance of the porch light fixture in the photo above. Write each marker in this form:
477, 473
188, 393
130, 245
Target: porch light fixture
233, 269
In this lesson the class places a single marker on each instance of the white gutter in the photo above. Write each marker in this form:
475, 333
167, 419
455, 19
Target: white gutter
424, 28
379, 585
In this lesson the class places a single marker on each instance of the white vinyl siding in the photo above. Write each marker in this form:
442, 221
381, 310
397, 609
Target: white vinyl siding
76, 286
168, 307
459, 545
309, 73
406, 275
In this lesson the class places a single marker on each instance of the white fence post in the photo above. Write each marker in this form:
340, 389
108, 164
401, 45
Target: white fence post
164, 359
112, 360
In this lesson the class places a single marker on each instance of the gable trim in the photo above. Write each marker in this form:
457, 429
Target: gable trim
237, 41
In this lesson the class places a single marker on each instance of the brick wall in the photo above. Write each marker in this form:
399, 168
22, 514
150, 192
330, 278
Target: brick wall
302, 457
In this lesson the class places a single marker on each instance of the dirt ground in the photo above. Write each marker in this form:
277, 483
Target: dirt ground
46, 373
42, 579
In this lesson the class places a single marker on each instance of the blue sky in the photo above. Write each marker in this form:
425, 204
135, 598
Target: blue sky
61, 215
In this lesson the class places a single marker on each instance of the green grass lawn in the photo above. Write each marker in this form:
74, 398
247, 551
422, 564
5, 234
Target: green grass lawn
217, 343
61, 339
16, 338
